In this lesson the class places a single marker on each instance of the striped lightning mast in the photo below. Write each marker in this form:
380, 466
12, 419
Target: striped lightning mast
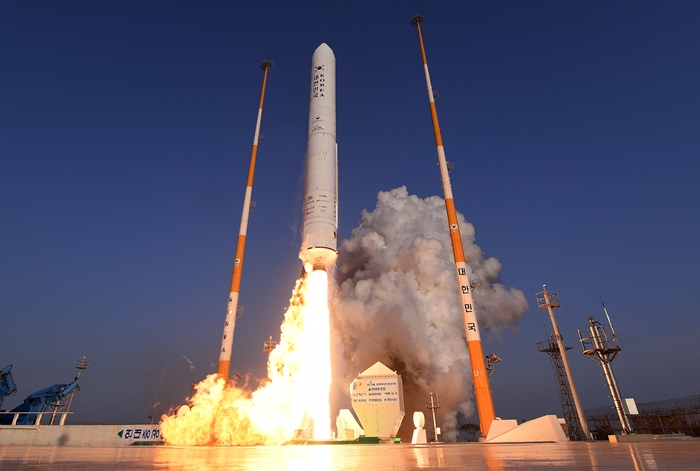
232, 307
480, 377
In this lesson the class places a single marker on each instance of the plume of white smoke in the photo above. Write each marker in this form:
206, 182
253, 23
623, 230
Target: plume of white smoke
397, 302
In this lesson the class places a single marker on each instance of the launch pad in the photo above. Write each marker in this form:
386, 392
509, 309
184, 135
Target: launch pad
681, 455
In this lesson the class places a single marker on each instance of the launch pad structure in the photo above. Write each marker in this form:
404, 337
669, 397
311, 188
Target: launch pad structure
547, 301
603, 351
551, 348
232, 305
480, 376
572, 456
432, 403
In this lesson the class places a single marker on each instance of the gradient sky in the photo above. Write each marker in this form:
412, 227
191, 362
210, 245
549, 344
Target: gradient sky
125, 134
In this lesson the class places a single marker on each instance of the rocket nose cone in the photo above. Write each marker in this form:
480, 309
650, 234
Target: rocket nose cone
324, 49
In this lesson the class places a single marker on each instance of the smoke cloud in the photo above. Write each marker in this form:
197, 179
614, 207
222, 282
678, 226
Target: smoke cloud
397, 302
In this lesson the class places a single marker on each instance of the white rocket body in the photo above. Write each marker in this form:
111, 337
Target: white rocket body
320, 228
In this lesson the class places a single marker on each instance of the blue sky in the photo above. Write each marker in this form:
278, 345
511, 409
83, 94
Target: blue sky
125, 133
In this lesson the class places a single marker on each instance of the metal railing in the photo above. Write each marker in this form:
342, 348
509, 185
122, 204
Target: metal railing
38, 419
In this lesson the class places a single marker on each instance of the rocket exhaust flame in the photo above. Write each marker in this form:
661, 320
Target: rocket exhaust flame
298, 383
317, 353
294, 400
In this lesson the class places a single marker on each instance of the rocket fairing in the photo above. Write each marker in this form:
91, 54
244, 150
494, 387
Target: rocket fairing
320, 226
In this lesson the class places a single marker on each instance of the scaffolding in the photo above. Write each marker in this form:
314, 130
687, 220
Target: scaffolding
491, 361
432, 402
269, 345
578, 430
568, 406
602, 346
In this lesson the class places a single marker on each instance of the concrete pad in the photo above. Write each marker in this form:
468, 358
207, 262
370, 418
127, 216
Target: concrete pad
572, 456
542, 429
499, 427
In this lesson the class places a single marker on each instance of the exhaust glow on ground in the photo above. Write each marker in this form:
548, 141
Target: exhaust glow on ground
297, 386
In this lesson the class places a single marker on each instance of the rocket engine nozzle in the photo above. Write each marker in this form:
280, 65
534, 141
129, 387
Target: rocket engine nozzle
318, 258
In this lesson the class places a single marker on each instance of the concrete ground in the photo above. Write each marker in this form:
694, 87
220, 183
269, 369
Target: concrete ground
675, 455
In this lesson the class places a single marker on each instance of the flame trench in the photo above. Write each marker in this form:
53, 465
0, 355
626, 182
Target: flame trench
292, 401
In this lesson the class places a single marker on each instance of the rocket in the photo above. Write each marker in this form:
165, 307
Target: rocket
320, 225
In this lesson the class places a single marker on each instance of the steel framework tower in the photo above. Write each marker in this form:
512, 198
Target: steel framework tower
432, 402
549, 302
480, 377
568, 407
598, 347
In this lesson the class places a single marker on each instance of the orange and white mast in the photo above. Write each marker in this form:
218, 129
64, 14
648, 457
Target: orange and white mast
480, 377
230, 322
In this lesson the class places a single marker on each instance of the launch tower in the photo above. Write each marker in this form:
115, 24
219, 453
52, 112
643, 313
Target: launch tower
480, 377
232, 305
551, 348
547, 301
603, 350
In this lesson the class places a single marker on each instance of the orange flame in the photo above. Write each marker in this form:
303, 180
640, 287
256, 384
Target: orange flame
297, 387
